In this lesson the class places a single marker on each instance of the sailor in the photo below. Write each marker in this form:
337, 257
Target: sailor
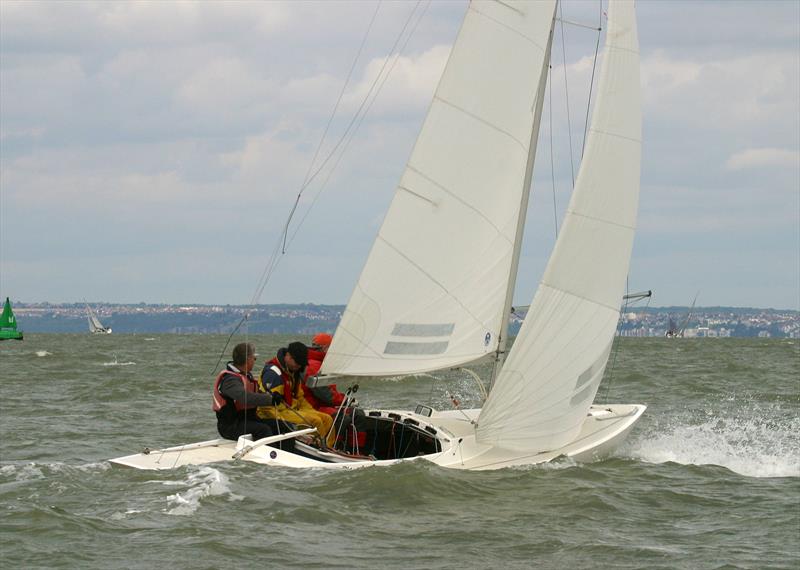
325, 398
284, 375
350, 422
237, 395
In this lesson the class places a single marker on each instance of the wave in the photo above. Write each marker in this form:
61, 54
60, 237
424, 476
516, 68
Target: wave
753, 443
204, 482
117, 363
33, 471
43, 353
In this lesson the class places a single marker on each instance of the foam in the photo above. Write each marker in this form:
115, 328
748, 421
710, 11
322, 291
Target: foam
760, 446
204, 482
117, 363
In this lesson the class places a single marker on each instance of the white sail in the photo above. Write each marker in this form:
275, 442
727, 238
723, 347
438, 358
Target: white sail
95, 325
432, 291
541, 398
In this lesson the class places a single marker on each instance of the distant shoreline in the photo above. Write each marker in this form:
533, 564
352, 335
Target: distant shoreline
309, 318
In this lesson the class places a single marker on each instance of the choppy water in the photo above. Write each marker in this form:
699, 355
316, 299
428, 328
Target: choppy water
710, 477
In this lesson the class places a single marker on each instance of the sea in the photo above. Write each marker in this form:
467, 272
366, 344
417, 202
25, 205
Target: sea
709, 477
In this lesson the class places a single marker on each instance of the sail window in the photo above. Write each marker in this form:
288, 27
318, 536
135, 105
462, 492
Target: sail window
412, 329
394, 347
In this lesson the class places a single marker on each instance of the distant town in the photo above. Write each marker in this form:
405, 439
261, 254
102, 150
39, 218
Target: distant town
309, 319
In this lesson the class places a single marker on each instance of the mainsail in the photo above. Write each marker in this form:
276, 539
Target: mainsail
433, 290
552, 373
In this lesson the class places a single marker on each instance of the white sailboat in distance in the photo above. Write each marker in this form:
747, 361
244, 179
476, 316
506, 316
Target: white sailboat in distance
435, 292
95, 326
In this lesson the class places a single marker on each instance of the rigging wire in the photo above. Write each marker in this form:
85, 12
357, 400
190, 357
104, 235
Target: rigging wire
591, 81
264, 279
566, 92
618, 343
360, 120
279, 250
552, 160
333, 114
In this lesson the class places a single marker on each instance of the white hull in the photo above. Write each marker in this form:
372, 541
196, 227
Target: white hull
604, 430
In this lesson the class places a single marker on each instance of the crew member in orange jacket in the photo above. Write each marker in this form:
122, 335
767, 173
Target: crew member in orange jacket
324, 398
284, 375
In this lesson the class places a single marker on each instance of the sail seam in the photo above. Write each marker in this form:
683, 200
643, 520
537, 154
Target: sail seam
522, 145
459, 200
506, 26
510, 7
620, 48
433, 280
612, 134
601, 220
581, 297
557, 372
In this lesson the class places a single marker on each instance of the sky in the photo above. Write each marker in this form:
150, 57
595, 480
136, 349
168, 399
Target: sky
152, 151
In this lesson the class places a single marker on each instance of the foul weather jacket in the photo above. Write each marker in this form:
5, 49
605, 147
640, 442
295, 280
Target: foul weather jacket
295, 408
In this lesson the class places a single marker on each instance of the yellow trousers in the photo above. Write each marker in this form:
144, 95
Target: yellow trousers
303, 416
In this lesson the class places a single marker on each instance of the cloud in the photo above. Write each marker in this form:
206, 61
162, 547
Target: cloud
222, 87
724, 94
156, 121
410, 85
764, 157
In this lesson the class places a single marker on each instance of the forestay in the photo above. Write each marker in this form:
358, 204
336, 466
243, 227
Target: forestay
551, 376
432, 291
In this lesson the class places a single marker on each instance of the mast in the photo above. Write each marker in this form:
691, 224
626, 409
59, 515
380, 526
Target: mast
500, 353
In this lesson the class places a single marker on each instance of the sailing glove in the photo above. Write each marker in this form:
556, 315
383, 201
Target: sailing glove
277, 399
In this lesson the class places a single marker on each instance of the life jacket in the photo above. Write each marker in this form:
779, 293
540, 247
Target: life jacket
315, 358
219, 401
314, 354
286, 389
323, 398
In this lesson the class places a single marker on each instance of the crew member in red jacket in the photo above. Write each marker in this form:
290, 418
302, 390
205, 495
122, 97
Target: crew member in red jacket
325, 398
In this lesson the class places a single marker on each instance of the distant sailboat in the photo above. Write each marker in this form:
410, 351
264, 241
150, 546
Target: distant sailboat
95, 326
673, 331
8, 324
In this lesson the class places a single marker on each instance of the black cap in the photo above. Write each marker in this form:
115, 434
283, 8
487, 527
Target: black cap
299, 353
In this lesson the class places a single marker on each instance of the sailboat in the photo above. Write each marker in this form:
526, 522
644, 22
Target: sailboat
8, 324
673, 331
436, 290
95, 326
